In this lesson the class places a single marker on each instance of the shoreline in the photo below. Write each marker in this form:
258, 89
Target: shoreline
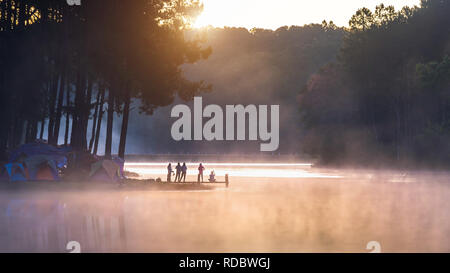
126, 185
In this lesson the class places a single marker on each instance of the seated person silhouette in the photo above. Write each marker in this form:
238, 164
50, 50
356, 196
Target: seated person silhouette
212, 176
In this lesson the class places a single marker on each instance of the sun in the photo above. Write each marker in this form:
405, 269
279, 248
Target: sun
214, 14
203, 20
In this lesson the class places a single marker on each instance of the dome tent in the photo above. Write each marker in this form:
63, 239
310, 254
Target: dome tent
57, 154
41, 168
16, 172
105, 171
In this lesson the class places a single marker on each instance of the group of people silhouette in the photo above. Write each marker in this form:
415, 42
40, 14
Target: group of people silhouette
181, 171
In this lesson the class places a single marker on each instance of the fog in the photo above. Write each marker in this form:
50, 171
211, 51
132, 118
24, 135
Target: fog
264, 68
308, 210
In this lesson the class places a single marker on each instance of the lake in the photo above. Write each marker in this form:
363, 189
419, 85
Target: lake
269, 207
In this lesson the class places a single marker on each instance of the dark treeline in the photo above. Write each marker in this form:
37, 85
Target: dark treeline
81, 63
387, 97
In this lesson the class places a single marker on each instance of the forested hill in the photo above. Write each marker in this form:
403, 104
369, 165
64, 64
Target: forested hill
387, 98
247, 67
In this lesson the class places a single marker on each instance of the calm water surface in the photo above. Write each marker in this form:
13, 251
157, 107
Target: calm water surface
268, 208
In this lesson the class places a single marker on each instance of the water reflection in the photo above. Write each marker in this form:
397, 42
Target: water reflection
306, 214
39, 222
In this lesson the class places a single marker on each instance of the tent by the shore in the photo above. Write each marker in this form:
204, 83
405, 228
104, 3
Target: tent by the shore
105, 171
43, 162
121, 163
41, 168
57, 154
15, 171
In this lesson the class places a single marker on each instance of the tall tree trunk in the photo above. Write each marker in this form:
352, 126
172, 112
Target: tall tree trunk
27, 131
123, 132
66, 133
76, 136
94, 120
34, 130
51, 108
3, 146
31, 131
41, 132
99, 122
58, 115
19, 133
109, 124
86, 113
74, 130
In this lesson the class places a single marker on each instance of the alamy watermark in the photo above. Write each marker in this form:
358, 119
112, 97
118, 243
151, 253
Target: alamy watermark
73, 2
213, 129
73, 247
374, 246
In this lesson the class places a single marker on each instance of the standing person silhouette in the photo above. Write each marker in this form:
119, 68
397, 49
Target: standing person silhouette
169, 172
183, 172
200, 172
178, 173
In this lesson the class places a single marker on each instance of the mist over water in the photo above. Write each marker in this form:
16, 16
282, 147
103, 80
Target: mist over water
250, 170
282, 207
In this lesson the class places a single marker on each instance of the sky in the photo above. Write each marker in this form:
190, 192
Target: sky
272, 14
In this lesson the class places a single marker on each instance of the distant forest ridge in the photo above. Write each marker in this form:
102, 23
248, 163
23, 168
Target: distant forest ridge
386, 100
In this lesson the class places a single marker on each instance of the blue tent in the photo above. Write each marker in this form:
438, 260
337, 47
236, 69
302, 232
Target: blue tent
57, 154
16, 172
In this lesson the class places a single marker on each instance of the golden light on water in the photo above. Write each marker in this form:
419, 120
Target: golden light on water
256, 170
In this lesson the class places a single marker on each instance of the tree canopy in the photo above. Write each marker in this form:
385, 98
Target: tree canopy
387, 96
57, 57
